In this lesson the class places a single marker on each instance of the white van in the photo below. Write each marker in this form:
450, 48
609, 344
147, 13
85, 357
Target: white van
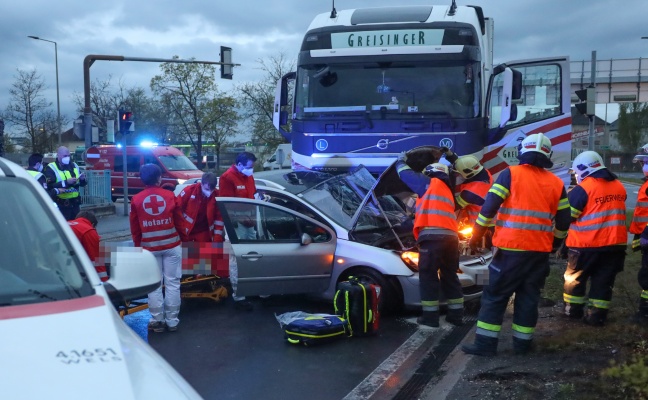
61, 336
280, 159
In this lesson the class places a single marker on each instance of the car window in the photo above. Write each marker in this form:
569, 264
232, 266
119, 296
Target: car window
37, 263
260, 223
133, 163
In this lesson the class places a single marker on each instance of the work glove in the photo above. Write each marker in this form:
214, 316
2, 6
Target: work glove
475, 241
402, 157
449, 154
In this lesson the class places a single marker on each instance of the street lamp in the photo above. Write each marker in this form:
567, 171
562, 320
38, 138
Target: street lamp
58, 103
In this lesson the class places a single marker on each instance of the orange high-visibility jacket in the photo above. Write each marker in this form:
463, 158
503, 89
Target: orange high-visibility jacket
602, 221
435, 209
640, 217
524, 220
480, 188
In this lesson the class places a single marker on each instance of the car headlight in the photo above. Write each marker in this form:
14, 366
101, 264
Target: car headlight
411, 259
181, 181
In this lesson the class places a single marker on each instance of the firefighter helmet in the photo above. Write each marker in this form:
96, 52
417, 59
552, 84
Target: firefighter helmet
585, 163
468, 166
436, 167
537, 142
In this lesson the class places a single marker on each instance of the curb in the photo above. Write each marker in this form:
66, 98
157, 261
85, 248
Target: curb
100, 210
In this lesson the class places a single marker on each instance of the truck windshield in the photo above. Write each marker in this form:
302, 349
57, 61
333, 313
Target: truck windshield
388, 90
177, 163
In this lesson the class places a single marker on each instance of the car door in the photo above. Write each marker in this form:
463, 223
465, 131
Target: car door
538, 100
278, 250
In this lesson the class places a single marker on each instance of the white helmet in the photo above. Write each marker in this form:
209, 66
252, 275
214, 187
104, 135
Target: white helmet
585, 163
436, 167
468, 166
645, 148
537, 142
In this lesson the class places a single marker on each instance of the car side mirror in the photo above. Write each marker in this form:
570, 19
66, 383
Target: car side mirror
306, 239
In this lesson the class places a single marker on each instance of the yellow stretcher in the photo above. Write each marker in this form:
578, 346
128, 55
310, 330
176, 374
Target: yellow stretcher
191, 286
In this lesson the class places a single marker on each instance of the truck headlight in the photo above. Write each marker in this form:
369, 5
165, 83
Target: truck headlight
411, 259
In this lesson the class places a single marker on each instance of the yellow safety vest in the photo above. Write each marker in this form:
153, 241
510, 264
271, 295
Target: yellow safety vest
63, 176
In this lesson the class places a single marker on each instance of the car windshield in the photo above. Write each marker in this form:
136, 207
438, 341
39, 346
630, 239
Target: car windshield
340, 198
37, 263
177, 163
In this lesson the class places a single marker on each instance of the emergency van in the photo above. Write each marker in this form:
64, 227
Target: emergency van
176, 167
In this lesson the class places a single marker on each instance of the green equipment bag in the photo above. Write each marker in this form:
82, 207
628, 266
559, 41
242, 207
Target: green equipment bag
357, 302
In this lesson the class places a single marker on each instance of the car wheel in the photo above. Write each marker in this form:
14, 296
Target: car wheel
391, 295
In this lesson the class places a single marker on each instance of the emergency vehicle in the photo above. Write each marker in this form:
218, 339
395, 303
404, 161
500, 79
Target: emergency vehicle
176, 167
371, 83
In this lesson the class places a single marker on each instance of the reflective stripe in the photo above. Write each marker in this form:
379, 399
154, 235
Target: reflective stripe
430, 305
462, 203
568, 298
438, 198
489, 327
218, 232
606, 213
605, 304
563, 203
188, 218
219, 223
523, 329
437, 212
640, 219
485, 332
644, 294
525, 213
523, 336
402, 168
521, 225
484, 221
154, 234
575, 212
560, 234
62, 176
597, 227
642, 204
455, 306
160, 242
500, 190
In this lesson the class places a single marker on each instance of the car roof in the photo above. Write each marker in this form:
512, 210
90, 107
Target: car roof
293, 181
10, 169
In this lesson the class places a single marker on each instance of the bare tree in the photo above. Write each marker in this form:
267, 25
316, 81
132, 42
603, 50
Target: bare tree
189, 92
226, 119
257, 99
633, 119
30, 114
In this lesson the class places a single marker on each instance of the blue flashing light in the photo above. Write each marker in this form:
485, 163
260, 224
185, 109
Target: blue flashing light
146, 143
119, 145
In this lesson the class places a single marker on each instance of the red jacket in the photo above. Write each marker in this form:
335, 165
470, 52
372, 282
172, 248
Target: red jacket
235, 184
189, 201
155, 219
89, 238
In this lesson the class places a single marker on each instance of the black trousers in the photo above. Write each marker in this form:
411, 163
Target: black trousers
522, 273
642, 277
69, 209
438, 265
600, 268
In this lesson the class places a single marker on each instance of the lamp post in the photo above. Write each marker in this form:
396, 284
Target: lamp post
58, 103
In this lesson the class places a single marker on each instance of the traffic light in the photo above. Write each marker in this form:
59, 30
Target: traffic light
126, 123
587, 96
227, 68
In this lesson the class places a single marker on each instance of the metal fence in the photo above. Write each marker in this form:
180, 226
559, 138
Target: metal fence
98, 190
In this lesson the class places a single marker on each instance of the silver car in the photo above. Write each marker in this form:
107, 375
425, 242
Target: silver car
319, 229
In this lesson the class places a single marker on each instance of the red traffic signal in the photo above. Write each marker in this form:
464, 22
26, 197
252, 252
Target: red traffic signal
126, 123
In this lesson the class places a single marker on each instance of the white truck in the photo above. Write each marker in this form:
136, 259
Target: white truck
373, 82
280, 159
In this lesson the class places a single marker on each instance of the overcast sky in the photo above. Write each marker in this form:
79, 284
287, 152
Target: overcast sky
258, 28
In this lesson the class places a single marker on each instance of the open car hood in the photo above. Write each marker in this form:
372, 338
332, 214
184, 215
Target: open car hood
418, 158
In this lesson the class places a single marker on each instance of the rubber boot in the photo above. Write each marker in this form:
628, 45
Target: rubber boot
454, 316
595, 316
483, 346
521, 346
429, 318
641, 317
574, 311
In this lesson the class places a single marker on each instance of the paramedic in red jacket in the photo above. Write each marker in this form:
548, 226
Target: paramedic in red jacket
201, 220
155, 222
237, 181
84, 227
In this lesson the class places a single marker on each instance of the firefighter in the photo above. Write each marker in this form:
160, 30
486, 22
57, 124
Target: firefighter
597, 239
525, 198
64, 179
640, 239
435, 229
471, 193
155, 221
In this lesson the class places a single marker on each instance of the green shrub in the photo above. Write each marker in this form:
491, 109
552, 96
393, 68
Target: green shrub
632, 375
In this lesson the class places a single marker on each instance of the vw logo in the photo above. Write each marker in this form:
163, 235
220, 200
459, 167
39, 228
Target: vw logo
382, 144
445, 142
321, 145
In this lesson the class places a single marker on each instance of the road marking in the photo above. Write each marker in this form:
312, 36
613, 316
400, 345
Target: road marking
382, 374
